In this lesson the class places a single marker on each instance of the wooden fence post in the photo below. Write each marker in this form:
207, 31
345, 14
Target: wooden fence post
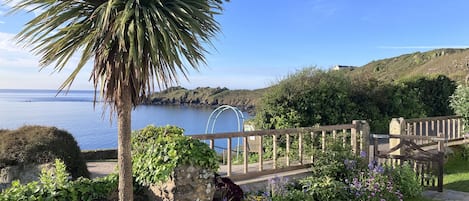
353, 136
365, 139
360, 137
397, 126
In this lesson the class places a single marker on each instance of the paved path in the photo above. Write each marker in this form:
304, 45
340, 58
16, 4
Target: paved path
447, 195
99, 169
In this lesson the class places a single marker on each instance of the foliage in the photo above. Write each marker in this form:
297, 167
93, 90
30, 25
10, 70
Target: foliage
338, 174
54, 185
324, 188
306, 98
456, 170
406, 181
279, 189
134, 44
37, 145
373, 185
158, 150
460, 103
434, 93
313, 97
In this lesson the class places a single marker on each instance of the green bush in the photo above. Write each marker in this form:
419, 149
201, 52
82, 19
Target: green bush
158, 150
434, 93
39, 144
460, 103
54, 185
315, 97
306, 98
406, 181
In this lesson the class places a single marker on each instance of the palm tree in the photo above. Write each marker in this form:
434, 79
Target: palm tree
133, 45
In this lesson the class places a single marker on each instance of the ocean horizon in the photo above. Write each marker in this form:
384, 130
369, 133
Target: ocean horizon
92, 126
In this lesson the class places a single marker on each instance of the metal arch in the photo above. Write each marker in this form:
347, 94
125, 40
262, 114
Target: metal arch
220, 110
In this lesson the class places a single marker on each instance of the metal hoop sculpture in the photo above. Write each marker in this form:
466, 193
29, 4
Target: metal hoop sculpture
217, 112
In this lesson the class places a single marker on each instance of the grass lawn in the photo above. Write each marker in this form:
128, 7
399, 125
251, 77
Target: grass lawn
456, 172
456, 175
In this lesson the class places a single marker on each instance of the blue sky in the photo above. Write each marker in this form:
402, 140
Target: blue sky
264, 40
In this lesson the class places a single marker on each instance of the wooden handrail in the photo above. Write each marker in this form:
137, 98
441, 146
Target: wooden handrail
410, 137
432, 118
271, 132
295, 143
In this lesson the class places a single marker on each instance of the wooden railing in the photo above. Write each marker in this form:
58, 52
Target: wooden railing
449, 127
428, 165
296, 145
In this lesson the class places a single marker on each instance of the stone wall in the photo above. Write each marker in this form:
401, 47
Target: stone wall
25, 173
100, 154
186, 183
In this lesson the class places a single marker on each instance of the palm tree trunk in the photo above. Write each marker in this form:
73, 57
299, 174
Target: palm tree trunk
124, 158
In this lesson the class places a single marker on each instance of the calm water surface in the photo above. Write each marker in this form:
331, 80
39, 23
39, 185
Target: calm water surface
93, 128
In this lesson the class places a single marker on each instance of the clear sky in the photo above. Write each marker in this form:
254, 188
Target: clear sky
264, 40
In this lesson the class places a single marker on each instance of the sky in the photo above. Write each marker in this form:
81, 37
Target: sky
262, 41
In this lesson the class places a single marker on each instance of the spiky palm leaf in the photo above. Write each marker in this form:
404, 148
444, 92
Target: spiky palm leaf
134, 43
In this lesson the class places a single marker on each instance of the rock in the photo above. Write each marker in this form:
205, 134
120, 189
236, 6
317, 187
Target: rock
24, 173
186, 183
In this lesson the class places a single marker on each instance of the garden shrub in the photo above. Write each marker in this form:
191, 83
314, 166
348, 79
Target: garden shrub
324, 188
156, 151
54, 185
434, 92
38, 145
460, 103
406, 181
314, 97
373, 184
338, 174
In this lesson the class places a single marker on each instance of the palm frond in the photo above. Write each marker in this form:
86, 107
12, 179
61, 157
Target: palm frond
136, 42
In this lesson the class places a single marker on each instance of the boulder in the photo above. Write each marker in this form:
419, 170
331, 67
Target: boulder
186, 183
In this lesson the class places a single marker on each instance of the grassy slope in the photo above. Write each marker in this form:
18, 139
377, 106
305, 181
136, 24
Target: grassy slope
453, 63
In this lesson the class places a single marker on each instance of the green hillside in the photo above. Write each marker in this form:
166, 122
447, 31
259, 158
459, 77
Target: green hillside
243, 99
453, 63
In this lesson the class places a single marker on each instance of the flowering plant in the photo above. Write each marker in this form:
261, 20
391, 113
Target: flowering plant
373, 184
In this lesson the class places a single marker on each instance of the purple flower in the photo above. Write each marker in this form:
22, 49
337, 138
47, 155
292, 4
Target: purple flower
362, 154
350, 164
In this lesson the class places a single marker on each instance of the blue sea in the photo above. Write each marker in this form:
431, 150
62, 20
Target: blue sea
93, 127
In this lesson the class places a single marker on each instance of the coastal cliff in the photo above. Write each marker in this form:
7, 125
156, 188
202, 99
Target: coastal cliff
206, 96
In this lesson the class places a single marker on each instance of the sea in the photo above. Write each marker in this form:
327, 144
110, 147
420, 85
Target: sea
94, 127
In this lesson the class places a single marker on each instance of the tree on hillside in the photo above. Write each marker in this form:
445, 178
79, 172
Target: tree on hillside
434, 93
133, 44
306, 98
